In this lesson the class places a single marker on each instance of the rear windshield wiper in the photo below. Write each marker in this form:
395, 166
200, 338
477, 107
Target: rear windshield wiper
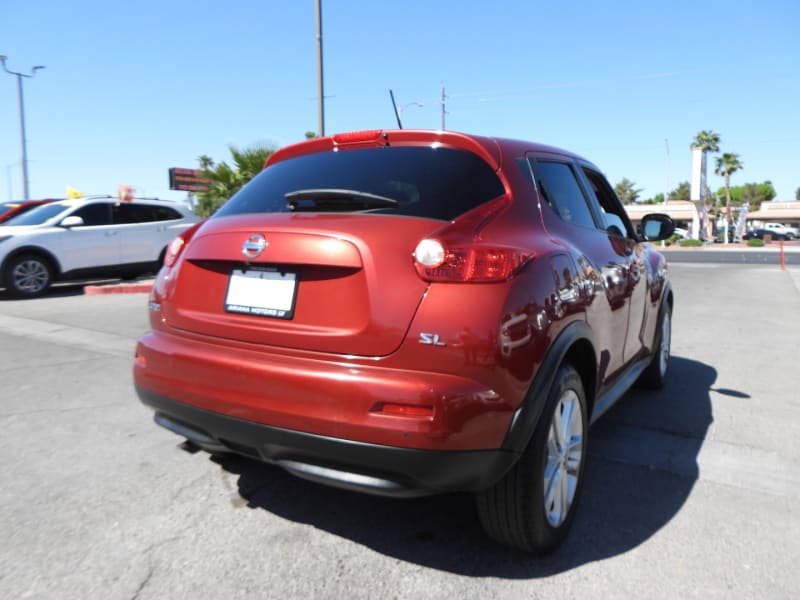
329, 199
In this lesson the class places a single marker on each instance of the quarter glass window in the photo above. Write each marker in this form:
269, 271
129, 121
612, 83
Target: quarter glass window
563, 192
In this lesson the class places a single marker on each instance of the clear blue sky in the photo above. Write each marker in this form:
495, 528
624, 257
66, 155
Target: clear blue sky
133, 88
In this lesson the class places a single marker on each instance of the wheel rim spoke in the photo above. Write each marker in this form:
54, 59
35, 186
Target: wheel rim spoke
666, 335
30, 276
564, 455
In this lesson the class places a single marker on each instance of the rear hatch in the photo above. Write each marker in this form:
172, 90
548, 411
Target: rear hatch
315, 253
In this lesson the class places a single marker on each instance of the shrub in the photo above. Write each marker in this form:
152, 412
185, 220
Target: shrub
690, 243
755, 243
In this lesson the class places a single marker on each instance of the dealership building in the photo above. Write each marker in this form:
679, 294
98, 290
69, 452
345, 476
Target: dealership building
687, 216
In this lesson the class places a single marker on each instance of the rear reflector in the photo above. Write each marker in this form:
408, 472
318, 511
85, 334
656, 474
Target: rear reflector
405, 410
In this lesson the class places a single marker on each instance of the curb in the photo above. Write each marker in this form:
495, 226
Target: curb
119, 288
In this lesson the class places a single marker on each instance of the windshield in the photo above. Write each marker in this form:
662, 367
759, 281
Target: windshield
419, 181
40, 214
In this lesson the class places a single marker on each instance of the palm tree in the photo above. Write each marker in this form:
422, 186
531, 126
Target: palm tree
627, 191
707, 141
226, 180
727, 165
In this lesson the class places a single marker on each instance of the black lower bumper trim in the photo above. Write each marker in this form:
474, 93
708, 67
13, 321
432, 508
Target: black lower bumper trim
372, 468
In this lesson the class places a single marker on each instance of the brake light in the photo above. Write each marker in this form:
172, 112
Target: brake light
177, 245
358, 137
458, 254
474, 263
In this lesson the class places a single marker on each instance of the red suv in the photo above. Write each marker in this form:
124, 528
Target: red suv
413, 312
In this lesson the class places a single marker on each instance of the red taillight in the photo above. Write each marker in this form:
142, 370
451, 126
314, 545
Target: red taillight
458, 254
475, 263
177, 245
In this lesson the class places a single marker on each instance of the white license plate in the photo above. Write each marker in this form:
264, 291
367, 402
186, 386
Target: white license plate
262, 292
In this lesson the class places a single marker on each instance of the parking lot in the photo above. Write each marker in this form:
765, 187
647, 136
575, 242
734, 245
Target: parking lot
690, 491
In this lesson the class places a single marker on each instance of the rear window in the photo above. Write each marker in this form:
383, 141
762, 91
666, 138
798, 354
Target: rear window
433, 183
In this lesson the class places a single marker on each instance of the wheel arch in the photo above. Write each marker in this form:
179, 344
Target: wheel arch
575, 345
33, 250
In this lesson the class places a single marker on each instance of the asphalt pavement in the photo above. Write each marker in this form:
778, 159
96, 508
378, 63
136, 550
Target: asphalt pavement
691, 491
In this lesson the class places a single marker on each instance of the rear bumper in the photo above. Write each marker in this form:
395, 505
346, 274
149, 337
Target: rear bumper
372, 468
374, 402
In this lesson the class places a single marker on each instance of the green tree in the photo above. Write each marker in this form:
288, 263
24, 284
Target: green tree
751, 194
657, 199
225, 179
626, 191
727, 165
754, 194
682, 192
797, 194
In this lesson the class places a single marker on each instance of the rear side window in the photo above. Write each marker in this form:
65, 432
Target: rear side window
143, 213
563, 192
434, 183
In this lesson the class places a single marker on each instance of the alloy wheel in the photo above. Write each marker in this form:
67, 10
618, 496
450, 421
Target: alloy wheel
564, 456
30, 276
666, 338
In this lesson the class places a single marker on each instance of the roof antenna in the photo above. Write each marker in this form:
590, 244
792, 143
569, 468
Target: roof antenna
396, 114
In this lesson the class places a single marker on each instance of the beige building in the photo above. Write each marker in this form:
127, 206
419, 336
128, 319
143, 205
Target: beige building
686, 215
683, 212
787, 213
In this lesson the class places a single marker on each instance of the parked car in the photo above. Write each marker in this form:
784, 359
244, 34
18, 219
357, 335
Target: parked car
413, 312
781, 229
761, 233
9, 210
75, 239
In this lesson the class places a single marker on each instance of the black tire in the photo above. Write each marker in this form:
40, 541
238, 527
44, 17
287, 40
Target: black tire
519, 510
28, 275
655, 375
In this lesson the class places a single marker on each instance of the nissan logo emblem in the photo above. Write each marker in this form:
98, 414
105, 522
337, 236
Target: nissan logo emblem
254, 245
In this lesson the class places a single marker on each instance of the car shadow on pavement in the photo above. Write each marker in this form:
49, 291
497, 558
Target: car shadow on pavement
640, 470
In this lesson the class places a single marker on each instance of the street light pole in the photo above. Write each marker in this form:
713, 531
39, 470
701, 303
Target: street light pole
25, 186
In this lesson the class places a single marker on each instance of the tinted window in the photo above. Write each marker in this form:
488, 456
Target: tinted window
94, 214
563, 192
143, 213
436, 183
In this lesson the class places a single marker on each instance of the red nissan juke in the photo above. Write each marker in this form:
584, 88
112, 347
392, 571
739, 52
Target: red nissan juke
413, 312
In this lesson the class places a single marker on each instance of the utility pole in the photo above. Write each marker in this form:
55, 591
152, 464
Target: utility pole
25, 186
320, 88
444, 112
666, 186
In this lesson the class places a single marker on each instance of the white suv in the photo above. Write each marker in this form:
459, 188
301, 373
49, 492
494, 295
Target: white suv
96, 237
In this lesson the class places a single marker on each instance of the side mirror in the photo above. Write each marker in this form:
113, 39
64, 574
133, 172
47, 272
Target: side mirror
72, 222
657, 226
